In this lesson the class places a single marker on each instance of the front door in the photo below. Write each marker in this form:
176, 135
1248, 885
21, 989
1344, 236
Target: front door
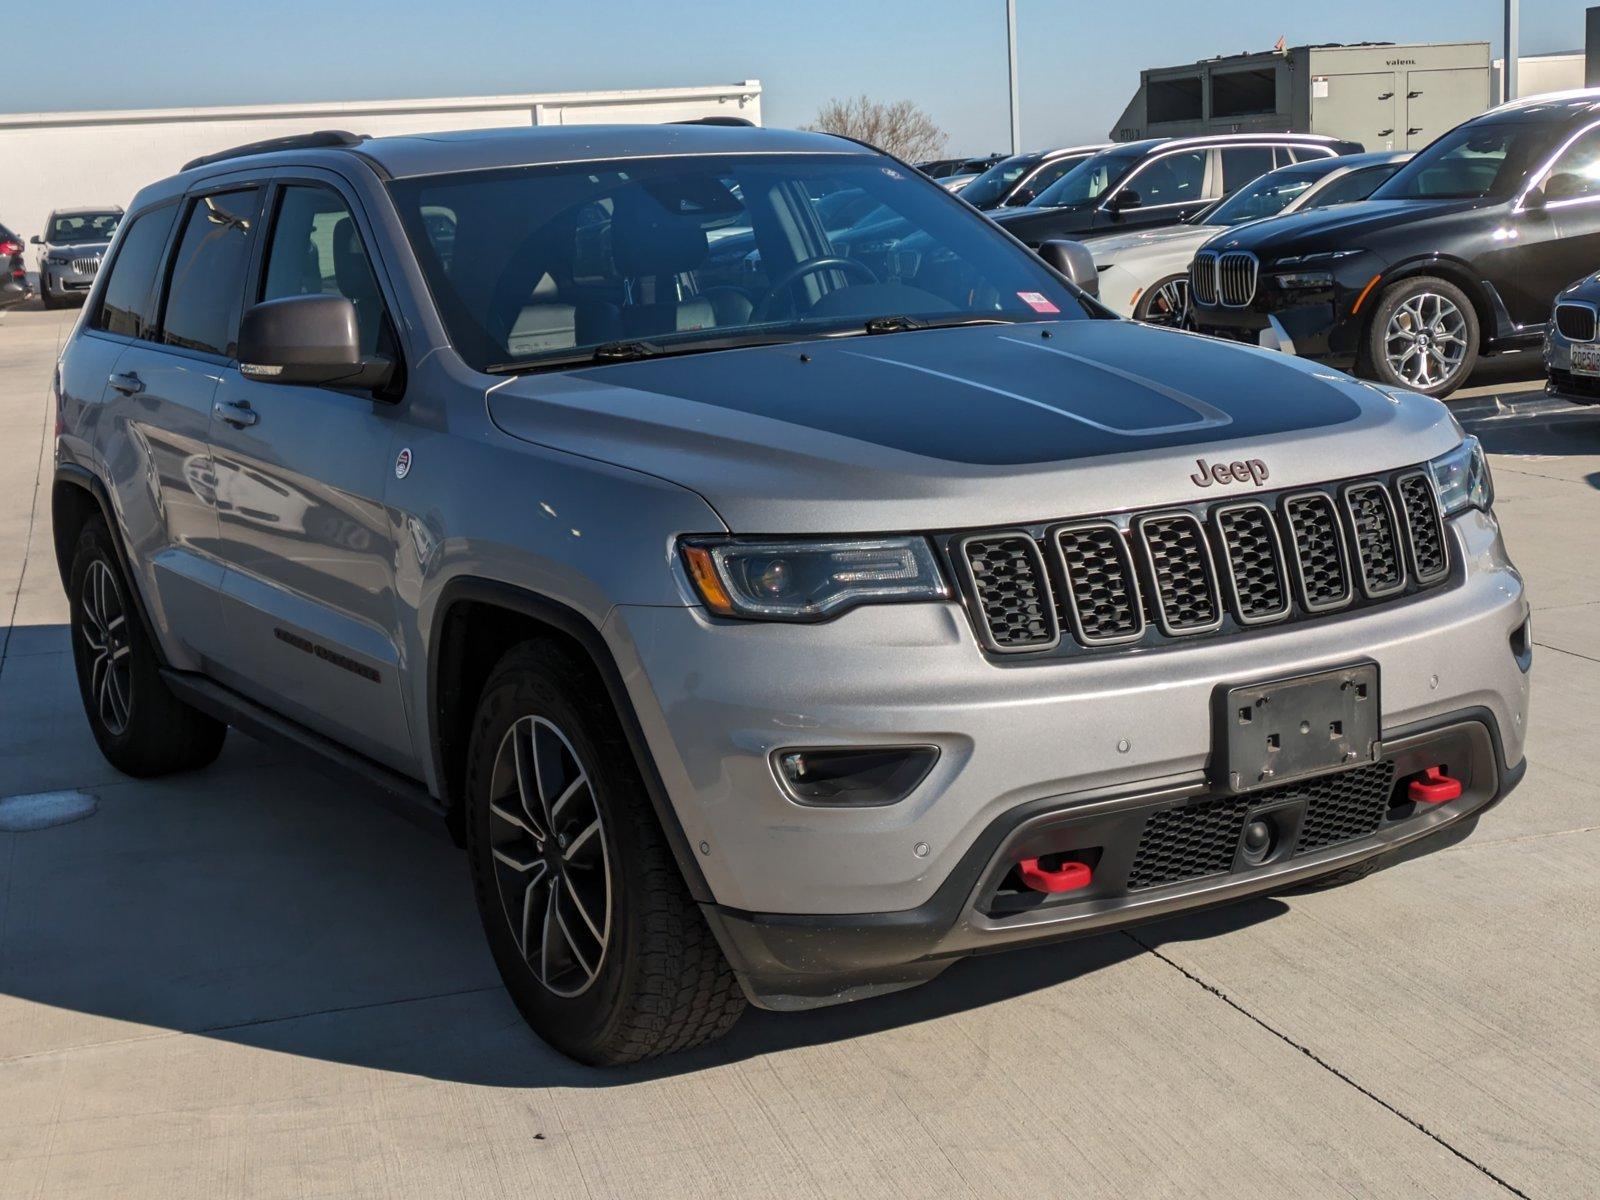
308, 599
1169, 188
1556, 242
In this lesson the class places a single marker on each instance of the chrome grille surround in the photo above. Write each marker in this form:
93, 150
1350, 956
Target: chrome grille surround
1375, 539
1203, 277
86, 266
1100, 583
1576, 320
1224, 567
1237, 271
1253, 564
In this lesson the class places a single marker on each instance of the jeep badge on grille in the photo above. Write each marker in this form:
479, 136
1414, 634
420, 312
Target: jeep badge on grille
1251, 470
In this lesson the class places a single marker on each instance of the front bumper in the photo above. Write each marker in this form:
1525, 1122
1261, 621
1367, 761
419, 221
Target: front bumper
1561, 382
716, 699
1321, 328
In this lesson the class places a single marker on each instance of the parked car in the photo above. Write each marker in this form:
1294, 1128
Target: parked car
13, 275
779, 640
1459, 255
956, 183
1572, 344
70, 250
1159, 181
1014, 181
942, 168
1145, 275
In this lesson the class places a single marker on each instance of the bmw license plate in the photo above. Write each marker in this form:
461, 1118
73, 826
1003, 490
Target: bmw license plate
1280, 730
1586, 360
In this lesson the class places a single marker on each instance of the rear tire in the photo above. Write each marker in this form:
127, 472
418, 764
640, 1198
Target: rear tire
140, 726
596, 937
1424, 337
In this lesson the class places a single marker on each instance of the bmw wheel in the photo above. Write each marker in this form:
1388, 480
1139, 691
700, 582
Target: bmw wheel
139, 725
1165, 303
594, 933
1424, 336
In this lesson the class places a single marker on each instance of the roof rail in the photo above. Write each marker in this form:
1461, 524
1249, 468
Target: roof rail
738, 121
322, 139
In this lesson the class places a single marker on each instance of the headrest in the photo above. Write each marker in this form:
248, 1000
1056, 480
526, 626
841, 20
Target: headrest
350, 266
648, 240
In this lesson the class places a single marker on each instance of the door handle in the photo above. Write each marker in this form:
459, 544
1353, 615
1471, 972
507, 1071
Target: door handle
237, 413
1414, 129
1386, 96
1385, 132
129, 384
1412, 95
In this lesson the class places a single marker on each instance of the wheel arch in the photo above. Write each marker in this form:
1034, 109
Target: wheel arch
475, 621
77, 496
1452, 270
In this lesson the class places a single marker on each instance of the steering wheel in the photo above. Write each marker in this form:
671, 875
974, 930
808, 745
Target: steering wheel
829, 262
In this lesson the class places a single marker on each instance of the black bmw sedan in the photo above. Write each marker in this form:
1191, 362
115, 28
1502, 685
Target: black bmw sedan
1460, 254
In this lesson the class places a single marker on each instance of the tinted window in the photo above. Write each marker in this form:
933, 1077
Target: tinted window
1577, 172
1352, 186
1265, 197
317, 250
996, 181
545, 261
1172, 179
82, 227
1472, 162
206, 288
1241, 164
128, 305
1087, 181
1045, 176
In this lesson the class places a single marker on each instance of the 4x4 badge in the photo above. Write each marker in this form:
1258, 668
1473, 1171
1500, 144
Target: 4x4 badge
402, 464
1248, 471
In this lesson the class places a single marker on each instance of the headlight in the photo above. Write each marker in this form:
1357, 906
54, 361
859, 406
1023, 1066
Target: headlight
1461, 478
1304, 279
1316, 258
810, 580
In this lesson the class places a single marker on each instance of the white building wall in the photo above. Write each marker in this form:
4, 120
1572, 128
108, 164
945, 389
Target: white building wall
63, 160
1539, 73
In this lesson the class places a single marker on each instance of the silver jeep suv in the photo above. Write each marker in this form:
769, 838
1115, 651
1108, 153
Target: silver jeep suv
772, 616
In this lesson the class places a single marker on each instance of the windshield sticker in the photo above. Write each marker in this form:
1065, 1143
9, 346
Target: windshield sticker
1037, 302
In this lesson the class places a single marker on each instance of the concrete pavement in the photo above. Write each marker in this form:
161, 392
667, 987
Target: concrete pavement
252, 981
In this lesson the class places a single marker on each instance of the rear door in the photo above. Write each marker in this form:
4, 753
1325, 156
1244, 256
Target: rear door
308, 599
160, 392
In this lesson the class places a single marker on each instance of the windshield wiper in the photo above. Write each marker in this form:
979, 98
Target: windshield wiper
896, 323
633, 350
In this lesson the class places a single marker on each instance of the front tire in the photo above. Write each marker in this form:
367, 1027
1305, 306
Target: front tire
596, 937
46, 296
1424, 336
140, 726
1165, 303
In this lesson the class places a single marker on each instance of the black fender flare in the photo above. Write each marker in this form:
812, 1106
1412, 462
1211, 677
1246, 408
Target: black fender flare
581, 630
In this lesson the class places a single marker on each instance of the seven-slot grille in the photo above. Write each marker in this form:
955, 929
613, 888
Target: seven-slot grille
1273, 557
1224, 277
1576, 321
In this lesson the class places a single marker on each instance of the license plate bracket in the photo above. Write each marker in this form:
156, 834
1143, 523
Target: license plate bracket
1279, 730
1586, 359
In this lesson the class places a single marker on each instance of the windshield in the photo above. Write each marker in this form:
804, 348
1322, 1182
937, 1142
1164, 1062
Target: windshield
539, 263
1265, 197
997, 180
1479, 161
1086, 181
83, 227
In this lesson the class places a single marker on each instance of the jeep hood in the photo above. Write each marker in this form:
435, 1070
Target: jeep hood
986, 425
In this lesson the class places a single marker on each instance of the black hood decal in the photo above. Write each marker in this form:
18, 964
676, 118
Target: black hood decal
1005, 395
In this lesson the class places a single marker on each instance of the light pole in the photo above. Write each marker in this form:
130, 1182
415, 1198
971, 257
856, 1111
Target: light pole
1011, 45
1508, 76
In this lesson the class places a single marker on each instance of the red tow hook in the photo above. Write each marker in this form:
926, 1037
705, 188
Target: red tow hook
1435, 787
1068, 877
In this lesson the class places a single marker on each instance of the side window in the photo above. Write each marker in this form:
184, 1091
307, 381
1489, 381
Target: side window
316, 249
1044, 177
1241, 164
1172, 179
1576, 173
206, 288
128, 305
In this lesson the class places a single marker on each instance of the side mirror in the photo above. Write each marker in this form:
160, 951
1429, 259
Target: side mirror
1073, 260
1126, 198
36, 240
1534, 200
307, 340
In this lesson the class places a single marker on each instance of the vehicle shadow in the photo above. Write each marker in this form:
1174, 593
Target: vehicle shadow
1540, 431
263, 903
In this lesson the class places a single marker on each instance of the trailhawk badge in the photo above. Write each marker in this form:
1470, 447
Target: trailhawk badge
402, 464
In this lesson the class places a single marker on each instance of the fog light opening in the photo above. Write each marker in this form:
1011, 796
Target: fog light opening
856, 776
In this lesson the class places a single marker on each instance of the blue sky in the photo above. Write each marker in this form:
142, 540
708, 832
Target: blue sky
1080, 59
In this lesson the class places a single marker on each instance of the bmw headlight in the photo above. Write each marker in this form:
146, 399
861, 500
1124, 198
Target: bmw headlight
810, 580
1304, 279
1462, 478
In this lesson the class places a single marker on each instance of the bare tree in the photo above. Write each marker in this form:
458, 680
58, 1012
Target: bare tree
900, 128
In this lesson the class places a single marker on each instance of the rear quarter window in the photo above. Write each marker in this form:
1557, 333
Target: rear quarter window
127, 306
